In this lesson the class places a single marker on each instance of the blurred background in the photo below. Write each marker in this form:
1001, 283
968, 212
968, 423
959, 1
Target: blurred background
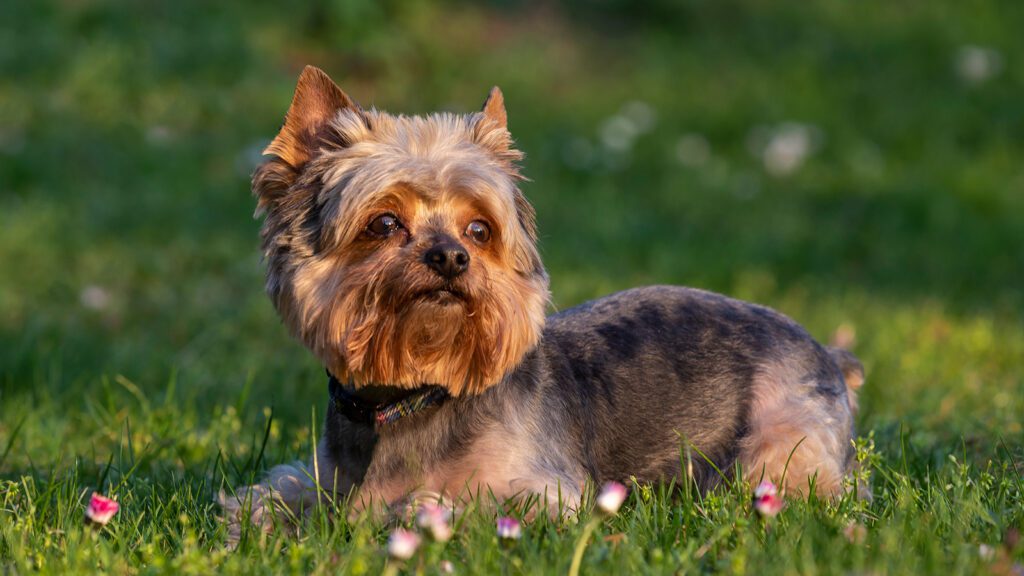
857, 166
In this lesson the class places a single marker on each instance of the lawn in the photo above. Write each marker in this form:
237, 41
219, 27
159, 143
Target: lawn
857, 166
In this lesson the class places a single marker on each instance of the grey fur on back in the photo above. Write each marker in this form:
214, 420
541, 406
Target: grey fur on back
616, 389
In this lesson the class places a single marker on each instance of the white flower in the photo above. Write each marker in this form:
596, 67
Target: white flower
783, 149
641, 114
986, 552
402, 544
765, 488
977, 64
435, 520
612, 495
94, 297
618, 133
509, 528
767, 501
787, 150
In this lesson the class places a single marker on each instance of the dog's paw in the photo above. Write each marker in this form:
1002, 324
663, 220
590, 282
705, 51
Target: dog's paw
405, 509
251, 506
279, 501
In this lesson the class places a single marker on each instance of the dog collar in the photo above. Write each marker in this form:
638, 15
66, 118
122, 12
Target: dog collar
363, 411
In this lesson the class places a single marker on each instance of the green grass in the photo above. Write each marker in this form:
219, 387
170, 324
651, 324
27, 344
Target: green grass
139, 356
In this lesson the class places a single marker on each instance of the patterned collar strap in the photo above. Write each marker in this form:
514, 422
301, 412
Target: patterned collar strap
388, 413
379, 414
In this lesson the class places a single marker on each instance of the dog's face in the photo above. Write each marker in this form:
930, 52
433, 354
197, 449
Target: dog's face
400, 249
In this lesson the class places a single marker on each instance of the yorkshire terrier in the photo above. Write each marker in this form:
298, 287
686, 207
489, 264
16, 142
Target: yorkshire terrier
401, 252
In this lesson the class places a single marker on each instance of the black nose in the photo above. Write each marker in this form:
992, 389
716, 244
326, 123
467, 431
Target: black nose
448, 258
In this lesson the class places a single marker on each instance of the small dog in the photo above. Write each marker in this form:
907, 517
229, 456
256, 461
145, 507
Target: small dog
401, 251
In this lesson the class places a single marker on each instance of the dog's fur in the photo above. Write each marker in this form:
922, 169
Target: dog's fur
613, 389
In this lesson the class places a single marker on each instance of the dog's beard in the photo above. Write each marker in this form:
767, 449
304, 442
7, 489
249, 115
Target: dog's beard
407, 330
393, 345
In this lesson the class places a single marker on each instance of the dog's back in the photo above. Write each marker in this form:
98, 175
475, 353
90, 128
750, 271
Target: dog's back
662, 378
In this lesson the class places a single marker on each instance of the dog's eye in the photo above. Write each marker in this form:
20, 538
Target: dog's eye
479, 231
384, 225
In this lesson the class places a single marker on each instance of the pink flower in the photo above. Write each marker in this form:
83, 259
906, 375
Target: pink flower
611, 498
446, 567
101, 509
767, 501
509, 528
855, 532
435, 520
402, 544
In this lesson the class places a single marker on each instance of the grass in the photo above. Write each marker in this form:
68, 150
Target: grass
139, 357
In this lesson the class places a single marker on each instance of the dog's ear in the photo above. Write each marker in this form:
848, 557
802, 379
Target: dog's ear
494, 108
490, 130
317, 99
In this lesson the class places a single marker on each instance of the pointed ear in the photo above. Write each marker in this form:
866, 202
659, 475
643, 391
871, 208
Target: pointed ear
317, 99
494, 108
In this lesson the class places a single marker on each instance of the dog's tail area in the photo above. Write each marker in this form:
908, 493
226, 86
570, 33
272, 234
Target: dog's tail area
853, 372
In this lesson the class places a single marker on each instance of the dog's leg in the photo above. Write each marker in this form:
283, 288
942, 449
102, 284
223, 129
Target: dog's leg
558, 498
287, 494
799, 429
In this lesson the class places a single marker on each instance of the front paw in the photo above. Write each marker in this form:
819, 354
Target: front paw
255, 506
279, 501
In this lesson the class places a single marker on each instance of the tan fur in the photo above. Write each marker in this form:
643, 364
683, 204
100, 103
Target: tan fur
793, 435
499, 464
317, 99
493, 466
853, 373
366, 318
494, 108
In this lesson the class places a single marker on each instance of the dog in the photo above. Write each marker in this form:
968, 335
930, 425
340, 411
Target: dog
401, 251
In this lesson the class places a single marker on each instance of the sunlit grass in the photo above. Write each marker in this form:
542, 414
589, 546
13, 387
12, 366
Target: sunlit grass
931, 511
849, 166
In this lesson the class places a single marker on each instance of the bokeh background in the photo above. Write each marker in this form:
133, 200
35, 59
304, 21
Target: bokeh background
857, 166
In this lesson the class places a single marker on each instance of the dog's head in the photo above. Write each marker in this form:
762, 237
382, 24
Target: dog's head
400, 249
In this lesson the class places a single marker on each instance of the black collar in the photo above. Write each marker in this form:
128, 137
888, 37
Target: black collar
381, 412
